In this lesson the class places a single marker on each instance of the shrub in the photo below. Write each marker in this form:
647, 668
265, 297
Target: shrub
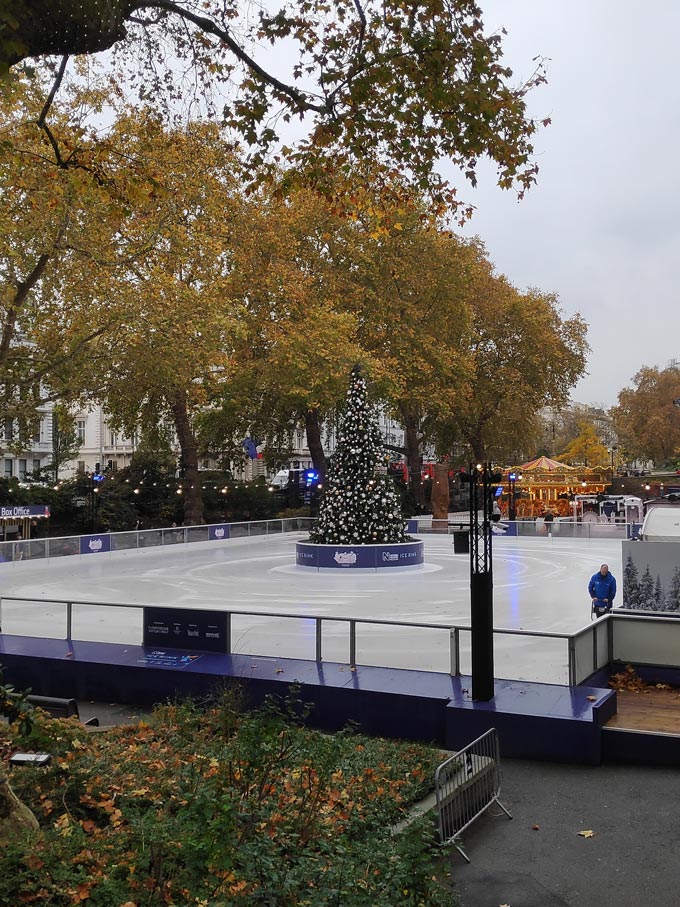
210, 807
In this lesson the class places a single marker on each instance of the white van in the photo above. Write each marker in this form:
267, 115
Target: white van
662, 523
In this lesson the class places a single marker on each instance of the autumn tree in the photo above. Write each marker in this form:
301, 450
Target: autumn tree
172, 350
413, 319
586, 448
406, 87
559, 426
298, 336
524, 356
647, 418
67, 190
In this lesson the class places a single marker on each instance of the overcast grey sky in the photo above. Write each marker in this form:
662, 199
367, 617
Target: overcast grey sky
602, 227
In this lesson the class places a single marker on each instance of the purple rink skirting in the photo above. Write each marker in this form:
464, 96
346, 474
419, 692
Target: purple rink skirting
374, 557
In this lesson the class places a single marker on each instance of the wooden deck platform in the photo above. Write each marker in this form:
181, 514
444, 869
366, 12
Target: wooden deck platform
655, 711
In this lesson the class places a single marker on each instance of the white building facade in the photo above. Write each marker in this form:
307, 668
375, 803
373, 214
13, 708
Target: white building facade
36, 451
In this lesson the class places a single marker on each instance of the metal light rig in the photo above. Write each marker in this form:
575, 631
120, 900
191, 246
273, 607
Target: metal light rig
482, 478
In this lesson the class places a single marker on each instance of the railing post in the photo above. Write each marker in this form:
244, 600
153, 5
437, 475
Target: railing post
454, 648
572, 662
352, 643
228, 634
69, 620
595, 634
318, 639
610, 639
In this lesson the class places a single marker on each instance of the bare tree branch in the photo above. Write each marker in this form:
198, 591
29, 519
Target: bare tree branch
42, 119
301, 100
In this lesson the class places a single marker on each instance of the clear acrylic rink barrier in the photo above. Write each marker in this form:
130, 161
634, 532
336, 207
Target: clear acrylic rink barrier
412, 618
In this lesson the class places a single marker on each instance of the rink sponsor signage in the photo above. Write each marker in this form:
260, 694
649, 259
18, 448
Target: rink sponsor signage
185, 628
13, 512
409, 554
95, 544
219, 533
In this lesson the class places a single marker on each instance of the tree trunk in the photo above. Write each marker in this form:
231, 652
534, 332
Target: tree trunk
414, 460
478, 449
14, 815
191, 486
313, 429
440, 498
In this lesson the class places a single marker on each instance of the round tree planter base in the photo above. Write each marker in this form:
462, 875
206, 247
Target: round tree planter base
372, 557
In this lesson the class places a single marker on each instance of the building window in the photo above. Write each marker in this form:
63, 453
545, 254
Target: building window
36, 433
114, 439
8, 429
80, 431
22, 469
81, 466
8, 468
36, 467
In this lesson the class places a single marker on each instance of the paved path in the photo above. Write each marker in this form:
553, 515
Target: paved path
631, 860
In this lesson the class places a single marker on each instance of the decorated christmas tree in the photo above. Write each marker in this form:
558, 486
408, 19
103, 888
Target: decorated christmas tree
358, 507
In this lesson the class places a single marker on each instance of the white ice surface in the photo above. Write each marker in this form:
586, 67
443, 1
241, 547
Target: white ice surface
539, 584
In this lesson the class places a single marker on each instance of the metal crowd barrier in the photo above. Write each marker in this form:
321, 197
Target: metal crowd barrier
465, 786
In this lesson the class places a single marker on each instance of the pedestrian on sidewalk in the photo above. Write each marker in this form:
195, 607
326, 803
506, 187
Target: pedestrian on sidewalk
602, 588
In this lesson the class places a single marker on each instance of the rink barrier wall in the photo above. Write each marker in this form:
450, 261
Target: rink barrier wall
533, 720
617, 637
108, 542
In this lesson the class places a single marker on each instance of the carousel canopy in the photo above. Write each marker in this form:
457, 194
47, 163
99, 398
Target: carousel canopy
545, 464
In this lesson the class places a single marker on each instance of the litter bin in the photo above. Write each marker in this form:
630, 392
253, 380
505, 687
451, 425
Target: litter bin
461, 541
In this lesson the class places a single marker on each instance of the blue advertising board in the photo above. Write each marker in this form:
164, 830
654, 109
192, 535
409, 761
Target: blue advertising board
409, 554
219, 532
186, 628
95, 544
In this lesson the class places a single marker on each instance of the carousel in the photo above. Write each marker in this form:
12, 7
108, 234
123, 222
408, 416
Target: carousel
543, 484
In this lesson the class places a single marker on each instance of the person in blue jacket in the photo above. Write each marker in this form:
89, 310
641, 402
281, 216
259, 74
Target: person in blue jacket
602, 588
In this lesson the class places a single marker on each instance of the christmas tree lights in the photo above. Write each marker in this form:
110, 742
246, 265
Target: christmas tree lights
358, 507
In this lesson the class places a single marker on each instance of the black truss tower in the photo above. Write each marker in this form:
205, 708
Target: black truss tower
481, 581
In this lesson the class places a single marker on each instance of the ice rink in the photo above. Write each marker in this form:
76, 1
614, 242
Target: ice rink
539, 584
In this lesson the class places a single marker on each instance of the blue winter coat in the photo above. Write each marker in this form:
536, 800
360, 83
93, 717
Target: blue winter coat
603, 587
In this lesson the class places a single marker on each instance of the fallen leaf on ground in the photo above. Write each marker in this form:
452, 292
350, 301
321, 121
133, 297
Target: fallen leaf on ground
535, 827
587, 833
591, 698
